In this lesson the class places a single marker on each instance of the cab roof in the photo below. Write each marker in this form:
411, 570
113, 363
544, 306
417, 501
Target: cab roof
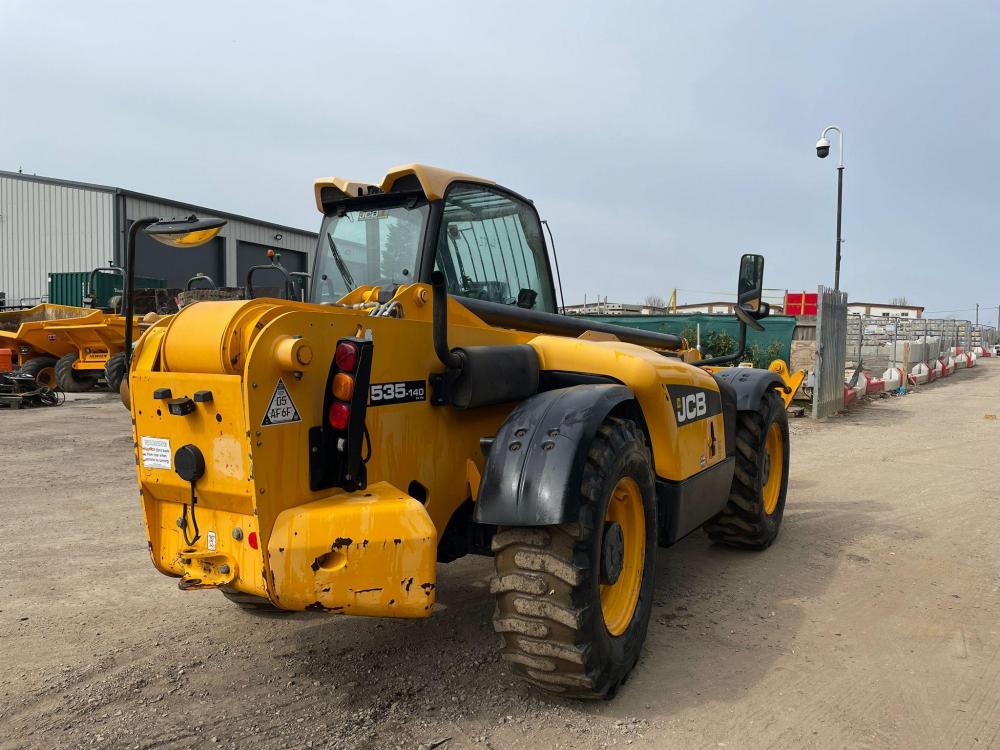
432, 181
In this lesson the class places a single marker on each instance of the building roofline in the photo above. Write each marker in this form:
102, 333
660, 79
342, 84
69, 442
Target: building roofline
885, 304
158, 199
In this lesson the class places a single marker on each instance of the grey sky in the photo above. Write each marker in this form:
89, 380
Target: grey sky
660, 140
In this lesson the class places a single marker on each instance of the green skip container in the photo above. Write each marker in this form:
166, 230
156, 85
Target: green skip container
70, 287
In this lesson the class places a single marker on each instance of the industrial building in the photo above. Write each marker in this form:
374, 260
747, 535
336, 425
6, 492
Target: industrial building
884, 310
49, 225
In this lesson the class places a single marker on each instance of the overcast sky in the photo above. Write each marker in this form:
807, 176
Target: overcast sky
660, 141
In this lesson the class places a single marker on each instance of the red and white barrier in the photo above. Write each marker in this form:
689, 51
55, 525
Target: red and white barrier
893, 378
872, 385
920, 373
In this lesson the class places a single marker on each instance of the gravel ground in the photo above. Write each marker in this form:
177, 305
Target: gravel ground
872, 622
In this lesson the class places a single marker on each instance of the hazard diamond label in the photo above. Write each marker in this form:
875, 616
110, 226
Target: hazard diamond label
282, 409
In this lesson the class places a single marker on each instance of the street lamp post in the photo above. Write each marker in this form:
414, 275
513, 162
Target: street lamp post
822, 151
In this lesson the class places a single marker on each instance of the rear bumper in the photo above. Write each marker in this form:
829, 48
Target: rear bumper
371, 552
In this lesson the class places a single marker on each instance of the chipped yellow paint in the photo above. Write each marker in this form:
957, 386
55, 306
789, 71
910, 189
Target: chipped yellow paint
363, 553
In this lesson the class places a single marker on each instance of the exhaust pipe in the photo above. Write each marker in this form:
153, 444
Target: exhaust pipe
449, 359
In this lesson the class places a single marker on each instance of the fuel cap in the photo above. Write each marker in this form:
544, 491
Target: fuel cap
189, 463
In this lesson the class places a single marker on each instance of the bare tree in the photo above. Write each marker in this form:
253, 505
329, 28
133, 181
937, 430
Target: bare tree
653, 300
901, 301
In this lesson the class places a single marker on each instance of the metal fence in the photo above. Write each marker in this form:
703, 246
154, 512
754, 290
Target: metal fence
831, 346
876, 343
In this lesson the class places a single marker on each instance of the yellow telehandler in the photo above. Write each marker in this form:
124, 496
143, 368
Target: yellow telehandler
428, 402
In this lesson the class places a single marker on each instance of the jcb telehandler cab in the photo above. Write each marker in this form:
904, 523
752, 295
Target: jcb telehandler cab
429, 402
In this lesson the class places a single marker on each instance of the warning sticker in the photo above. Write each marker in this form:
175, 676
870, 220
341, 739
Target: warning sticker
155, 452
282, 409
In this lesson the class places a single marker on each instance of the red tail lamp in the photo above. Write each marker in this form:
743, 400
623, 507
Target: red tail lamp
346, 356
339, 415
252, 539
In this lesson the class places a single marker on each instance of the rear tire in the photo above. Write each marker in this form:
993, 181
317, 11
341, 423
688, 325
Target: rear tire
752, 517
42, 369
251, 603
114, 371
566, 629
69, 380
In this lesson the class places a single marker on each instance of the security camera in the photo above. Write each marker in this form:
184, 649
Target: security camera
822, 148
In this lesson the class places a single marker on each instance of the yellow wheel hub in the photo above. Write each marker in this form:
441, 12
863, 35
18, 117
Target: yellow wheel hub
620, 598
47, 377
773, 465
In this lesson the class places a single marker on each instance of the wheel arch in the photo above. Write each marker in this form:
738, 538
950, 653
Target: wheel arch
535, 462
750, 384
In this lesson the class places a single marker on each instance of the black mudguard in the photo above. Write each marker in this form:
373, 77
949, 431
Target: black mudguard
749, 384
535, 464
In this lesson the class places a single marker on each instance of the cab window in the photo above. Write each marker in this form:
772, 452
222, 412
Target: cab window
490, 247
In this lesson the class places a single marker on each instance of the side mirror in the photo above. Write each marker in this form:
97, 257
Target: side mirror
750, 288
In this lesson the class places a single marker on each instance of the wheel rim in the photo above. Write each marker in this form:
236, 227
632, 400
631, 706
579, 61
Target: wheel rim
773, 468
620, 599
47, 377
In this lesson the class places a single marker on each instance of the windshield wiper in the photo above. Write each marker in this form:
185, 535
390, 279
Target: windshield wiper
345, 273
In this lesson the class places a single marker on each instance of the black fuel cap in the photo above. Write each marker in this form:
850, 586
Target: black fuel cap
189, 463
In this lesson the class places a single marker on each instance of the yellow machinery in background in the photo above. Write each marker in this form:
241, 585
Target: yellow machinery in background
428, 403
34, 349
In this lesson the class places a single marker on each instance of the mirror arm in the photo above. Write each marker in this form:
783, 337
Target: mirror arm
129, 292
725, 359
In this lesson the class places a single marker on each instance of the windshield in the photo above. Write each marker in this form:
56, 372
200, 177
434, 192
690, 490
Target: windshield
377, 246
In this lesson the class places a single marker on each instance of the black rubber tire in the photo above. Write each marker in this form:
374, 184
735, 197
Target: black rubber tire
251, 603
36, 366
114, 371
69, 380
547, 582
743, 522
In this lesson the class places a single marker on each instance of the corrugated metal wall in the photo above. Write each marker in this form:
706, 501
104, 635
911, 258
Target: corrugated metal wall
46, 227
235, 231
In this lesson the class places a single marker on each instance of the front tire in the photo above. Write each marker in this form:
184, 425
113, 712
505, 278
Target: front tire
43, 370
574, 600
114, 371
70, 380
752, 516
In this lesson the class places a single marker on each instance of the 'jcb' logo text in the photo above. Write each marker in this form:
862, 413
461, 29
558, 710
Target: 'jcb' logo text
690, 407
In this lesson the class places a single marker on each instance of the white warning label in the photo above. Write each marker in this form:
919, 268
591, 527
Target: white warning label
282, 409
155, 452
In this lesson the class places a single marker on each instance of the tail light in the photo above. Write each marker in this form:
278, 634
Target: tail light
339, 416
343, 386
335, 446
346, 356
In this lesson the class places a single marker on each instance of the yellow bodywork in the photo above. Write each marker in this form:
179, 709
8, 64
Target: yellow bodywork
792, 380
95, 337
369, 552
58, 330
23, 331
434, 181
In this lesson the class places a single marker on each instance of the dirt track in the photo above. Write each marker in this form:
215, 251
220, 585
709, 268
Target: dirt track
871, 622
